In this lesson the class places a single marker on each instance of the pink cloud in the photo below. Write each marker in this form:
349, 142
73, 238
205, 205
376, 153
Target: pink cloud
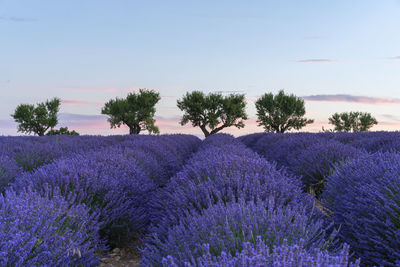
108, 89
353, 99
80, 121
250, 99
81, 102
172, 125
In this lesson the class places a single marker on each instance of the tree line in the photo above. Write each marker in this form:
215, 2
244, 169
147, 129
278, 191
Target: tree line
211, 113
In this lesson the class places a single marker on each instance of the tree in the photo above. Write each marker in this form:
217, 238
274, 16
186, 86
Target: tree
62, 130
212, 112
135, 111
280, 113
352, 121
37, 119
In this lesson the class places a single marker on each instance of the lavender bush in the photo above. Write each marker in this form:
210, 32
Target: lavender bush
31, 152
227, 227
8, 171
315, 163
250, 139
216, 174
378, 141
47, 230
364, 197
106, 181
280, 147
259, 255
117, 180
222, 173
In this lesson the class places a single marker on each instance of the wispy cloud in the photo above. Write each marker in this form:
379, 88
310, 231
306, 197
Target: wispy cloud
75, 102
238, 16
16, 19
390, 117
83, 121
353, 99
73, 116
106, 89
316, 61
312, 37
392, 58
229, 92
8, 124
171, 124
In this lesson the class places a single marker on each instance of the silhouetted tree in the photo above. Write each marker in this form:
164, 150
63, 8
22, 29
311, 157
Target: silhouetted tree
135, 111
352, 121
37, 119
212, 112
280, 113
62, 130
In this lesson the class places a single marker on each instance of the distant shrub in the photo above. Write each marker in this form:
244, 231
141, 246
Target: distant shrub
219, 140
226, 227
259, 254
62, 131
165, 163
316, 162
364, 197
345, 137
163, 155
250, 139
32, 152
378, 141
46, 231
280, 147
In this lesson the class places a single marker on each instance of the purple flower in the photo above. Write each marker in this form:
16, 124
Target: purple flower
364, 197
261, 255
226, 228
47, 230
317, 161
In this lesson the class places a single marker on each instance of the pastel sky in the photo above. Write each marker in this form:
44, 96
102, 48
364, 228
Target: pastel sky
338, 55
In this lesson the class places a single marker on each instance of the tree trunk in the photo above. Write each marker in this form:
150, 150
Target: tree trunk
203, 128
40, 132
216, 130
134, 129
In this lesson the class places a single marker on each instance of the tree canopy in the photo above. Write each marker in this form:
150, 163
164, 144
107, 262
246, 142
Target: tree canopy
62, 131
135, 111
280, 113
352, 121
212, 112
37, 119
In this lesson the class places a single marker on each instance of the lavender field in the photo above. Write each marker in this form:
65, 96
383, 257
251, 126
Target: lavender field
297, 199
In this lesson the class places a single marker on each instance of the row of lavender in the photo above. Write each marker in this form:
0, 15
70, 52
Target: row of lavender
355, 176
67, 199
230, 207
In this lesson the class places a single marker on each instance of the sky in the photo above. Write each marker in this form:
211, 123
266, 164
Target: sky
339, 56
